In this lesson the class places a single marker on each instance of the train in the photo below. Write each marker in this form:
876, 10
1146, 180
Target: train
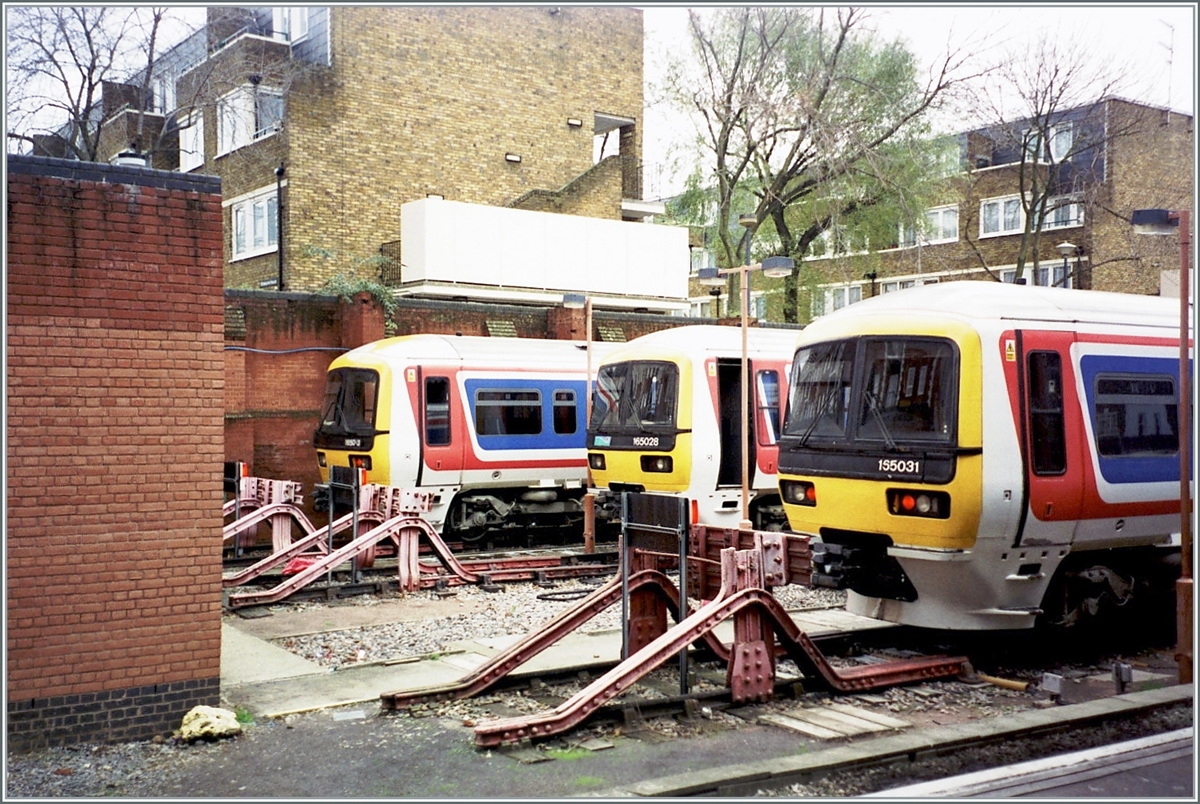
982, 457
666, 418
493, 427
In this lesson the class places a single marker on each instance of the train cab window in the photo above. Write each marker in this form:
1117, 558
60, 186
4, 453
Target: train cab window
566, 417
1136, 415
350, 396
508, 412
437, 411
767, 384
819, 399
907, 390
635, 395
1047, 436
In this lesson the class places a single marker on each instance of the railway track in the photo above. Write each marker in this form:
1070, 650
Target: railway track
545, 565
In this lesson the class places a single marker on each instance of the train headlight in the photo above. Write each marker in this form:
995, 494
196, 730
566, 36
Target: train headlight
360, 462
657, 463
321, 459
907, 502
596, 461
798, 492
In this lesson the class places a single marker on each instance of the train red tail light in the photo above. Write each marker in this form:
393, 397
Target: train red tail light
657, 463
912, 502
798, 492
596, 461
360, 462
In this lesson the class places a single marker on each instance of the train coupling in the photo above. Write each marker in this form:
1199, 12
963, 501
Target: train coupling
830, 563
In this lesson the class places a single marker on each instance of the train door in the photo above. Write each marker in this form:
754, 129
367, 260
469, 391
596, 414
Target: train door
442, 435
729, 403
1052, 438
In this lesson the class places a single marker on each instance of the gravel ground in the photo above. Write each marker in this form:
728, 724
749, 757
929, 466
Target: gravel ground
168, 768
518, 609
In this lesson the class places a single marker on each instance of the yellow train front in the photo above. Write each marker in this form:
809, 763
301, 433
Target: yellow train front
974, 455
666, 418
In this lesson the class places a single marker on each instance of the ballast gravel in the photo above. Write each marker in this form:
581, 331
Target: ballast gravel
163, 767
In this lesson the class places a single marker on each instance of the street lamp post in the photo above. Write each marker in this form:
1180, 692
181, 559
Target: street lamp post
574, 301
773, 267
1161, 221
1066, 249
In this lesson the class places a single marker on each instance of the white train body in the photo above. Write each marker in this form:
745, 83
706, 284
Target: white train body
493, 427
1043, 483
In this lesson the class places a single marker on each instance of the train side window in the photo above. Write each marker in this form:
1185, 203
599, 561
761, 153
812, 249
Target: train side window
566, 416
437, 411
768, 407
505, 412
1136, 414
1047, 434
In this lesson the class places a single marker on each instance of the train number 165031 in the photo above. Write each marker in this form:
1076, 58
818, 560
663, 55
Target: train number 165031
898, 466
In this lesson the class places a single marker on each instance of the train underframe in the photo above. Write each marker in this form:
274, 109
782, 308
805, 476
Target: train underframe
515, 516
1089, 587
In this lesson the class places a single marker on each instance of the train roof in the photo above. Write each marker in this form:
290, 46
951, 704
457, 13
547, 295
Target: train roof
706, 339
973, 301
476, 350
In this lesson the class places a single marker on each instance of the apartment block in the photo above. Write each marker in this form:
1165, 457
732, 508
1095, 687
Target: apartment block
1093, 165
323, 121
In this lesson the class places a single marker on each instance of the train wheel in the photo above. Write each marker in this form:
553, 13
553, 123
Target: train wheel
365, 559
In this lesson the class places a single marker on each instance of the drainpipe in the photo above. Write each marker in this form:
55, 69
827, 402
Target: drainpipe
279, 222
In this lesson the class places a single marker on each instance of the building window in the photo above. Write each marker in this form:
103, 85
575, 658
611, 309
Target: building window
191, 142
1062, 137
837, 298
1008, 276
1062, 212
289, 24
255, 225
999, 216
245, 115
164, 93
941, 226
1054, 275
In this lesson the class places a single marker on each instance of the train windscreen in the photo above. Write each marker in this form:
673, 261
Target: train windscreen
634, 396
348, 412
874, 389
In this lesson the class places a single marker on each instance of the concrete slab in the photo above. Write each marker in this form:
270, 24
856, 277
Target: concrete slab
246, 659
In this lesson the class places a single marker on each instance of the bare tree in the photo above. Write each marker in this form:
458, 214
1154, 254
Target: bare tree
810, 116
1046, 115
60, 58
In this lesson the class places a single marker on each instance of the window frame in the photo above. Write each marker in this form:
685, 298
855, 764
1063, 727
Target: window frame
1001, 203
195, 131
242, 231
240, 114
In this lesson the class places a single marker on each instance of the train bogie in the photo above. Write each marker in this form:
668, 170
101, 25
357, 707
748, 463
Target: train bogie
967, 452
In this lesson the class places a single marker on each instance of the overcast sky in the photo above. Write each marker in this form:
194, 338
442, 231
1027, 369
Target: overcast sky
1155, 44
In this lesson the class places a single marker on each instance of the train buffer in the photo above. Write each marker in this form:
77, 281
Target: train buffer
256, 500
762, 629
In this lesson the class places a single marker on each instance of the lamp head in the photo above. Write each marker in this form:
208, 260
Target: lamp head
777, 267
1065, 248
574, 301
748, 219
1153, 222
710, 277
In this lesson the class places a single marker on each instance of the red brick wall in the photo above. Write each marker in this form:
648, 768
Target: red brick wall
115, 394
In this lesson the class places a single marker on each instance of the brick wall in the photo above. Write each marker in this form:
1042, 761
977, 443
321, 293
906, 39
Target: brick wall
115, 392
429, 99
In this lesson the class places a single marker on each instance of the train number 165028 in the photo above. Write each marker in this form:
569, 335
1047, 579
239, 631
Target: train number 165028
898, 466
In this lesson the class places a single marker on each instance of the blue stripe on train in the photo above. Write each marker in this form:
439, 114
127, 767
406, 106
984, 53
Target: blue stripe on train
548, 438
1130, 468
